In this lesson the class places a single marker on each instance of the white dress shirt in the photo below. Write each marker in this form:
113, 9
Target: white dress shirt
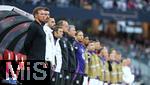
49, 53
58, 56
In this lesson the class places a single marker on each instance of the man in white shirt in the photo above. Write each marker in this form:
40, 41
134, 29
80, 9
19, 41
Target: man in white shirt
49, 53
57, 76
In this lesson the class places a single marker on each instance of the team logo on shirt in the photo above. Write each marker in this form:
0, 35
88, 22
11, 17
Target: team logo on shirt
76, 47
65, 44
71, 47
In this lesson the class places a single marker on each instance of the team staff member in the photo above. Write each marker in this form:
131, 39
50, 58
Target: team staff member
48, 29
63, 44
35, 42
50, 53
57, 76
71, 51
79, 52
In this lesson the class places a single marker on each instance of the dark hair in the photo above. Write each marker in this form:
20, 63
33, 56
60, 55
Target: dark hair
91, 41
60, 22
35, 10
78, 31
56, 28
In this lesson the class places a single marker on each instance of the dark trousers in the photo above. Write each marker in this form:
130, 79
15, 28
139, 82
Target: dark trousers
71, 78
78, 79
57, 79
67, 77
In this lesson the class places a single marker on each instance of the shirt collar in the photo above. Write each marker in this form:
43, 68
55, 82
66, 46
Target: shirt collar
46, 25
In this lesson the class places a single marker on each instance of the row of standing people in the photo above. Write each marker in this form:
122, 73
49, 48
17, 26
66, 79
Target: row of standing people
74, 59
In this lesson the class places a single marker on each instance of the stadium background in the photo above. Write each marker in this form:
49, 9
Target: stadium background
120, 24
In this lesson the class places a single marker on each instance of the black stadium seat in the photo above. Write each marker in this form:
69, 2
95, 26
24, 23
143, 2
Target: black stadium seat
13, 27
5, 14
14, 24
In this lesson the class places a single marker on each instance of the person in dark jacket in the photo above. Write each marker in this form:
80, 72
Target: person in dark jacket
65, 55
35, 42
63, 43
68, 39
71, 52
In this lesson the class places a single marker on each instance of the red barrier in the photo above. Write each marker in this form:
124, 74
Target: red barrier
20, 57
1, 57
8, 55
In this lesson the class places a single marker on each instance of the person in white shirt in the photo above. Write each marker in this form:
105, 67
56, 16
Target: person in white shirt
58, 33
57, 76
128, 77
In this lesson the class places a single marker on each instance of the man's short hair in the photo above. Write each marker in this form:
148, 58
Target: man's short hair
78, 31
60, 22
35, 10
71, 26
56, 28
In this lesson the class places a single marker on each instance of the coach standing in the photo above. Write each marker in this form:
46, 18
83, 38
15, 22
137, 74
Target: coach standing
35, 42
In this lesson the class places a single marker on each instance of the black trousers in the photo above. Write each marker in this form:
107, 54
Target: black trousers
66, 77
57, 79
63, 78
78, 79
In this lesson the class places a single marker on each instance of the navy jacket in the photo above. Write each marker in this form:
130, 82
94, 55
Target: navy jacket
35, 42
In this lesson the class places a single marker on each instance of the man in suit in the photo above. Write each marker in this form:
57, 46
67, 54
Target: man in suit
35, 42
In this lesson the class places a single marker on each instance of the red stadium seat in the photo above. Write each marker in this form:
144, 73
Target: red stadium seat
20, 57
23, 57
1, 57
8, 55
17, 56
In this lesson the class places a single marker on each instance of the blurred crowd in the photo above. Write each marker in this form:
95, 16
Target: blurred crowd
122, 5
130, 48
